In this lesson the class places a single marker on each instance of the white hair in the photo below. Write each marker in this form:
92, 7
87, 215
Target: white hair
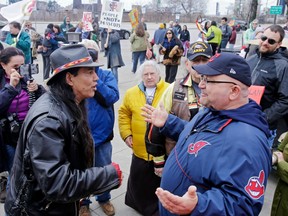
90, 44
152, 63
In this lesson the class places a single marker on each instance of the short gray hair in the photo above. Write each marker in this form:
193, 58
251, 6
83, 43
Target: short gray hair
152, 63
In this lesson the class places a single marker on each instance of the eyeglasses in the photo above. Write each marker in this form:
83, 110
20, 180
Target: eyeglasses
270, 40
169, 33
204, 79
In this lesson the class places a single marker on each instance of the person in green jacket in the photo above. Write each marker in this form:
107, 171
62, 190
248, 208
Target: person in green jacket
65, 26
215, 40
280, 159
23, 42
250, 32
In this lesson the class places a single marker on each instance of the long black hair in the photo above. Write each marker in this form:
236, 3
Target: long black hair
64, 92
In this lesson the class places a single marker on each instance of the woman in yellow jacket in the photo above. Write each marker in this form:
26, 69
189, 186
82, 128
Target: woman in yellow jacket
142, 182
214, 37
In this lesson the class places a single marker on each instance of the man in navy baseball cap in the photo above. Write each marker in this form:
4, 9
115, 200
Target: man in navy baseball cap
228, 64
229, 124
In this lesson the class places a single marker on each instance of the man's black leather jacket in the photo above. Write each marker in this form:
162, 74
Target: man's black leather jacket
50, 156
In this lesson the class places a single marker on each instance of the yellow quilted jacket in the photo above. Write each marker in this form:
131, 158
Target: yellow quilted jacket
130, 120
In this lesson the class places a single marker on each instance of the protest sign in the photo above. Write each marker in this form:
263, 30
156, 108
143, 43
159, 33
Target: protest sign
134, 17
256, 93
111, 14
87, 21
18, 11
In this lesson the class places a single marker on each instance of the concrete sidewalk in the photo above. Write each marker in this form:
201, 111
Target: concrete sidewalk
121, 153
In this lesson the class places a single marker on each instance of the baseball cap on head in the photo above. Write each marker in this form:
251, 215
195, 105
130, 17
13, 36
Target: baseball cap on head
70, 56
228, 64
199, 48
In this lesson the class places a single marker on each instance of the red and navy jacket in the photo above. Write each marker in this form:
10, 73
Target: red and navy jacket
225, 154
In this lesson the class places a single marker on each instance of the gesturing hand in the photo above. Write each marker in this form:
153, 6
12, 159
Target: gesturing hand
178, 205
157, 117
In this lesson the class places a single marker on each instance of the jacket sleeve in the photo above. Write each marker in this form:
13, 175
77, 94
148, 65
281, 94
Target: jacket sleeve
132, 38
233, 36
125, 118
208, 32
173, 127
280, 107
24, 42
52, 168
282, 167
60, 37
7, 94
107, 89
53, 41
8, 39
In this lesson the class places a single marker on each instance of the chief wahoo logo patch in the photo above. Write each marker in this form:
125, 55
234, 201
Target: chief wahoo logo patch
255, 187
194, 148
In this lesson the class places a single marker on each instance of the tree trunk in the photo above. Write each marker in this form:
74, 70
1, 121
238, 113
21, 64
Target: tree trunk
253, 12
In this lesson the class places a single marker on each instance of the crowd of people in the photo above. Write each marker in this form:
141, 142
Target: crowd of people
200, 145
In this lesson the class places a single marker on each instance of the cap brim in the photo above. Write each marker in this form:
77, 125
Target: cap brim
93, 64
205, 69
192, 57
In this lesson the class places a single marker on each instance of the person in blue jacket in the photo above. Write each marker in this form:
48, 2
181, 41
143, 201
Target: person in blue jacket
23, 42
101, 119
222, 159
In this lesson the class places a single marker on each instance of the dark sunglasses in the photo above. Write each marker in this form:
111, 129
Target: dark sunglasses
169, 33
270, 40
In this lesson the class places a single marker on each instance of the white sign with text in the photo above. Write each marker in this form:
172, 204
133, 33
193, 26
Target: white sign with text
111, 15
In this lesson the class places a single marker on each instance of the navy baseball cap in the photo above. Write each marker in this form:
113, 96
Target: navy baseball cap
228, 64
199, 48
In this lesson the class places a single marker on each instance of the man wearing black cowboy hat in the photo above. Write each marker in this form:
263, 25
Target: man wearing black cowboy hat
53, 169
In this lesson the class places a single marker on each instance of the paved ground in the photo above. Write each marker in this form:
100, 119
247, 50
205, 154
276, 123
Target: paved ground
121, 153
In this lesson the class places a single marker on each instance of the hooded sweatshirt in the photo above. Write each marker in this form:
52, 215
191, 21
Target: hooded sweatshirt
225, 154
64, 27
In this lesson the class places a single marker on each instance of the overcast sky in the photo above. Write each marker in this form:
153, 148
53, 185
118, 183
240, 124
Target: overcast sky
223, 4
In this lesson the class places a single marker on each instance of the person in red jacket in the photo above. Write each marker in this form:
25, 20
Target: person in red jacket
232, 39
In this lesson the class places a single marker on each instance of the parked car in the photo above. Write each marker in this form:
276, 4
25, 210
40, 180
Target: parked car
241, 25
124, 34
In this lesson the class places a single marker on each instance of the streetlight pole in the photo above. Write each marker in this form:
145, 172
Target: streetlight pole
275, 17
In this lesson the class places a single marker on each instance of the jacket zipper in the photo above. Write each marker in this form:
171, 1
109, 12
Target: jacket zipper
256, 67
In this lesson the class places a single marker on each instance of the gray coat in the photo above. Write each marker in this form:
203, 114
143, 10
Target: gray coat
114, 57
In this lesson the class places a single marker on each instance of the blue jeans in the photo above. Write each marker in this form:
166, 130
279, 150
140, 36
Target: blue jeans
115, 72
136, 56
10, 150
223, 44
103, 155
